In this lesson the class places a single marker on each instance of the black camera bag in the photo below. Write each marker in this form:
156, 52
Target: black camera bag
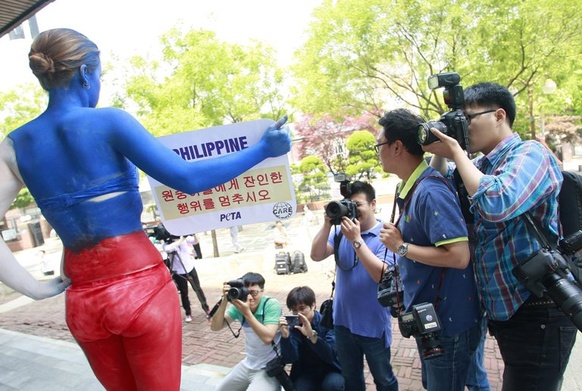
326, 310
570, 206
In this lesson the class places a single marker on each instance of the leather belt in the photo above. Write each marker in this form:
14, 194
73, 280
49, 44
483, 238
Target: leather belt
543, 302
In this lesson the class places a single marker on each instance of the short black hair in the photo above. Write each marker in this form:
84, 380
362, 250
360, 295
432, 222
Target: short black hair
300, 295
251, 278
358, 187
491, 95
402, 124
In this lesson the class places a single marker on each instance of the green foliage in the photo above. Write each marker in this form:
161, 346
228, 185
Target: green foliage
376, 54
363, 160
23, 200
21, 105
202, 81
314, 184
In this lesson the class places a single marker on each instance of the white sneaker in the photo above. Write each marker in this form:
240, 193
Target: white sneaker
188, 318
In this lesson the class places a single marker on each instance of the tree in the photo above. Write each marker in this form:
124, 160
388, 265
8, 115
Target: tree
202, 82
314, 179
326, 138
368, 54
20, 105
363, 160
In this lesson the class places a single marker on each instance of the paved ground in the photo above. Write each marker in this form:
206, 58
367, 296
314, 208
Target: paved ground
33, 335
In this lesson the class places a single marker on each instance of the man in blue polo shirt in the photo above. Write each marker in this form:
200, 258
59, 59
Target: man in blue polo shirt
362, 326
431, 241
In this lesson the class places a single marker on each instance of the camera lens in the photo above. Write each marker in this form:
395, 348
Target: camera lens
237, 293
335, 209
430, 346
566, 295
425, 136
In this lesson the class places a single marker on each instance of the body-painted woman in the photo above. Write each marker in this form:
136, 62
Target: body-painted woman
79, 163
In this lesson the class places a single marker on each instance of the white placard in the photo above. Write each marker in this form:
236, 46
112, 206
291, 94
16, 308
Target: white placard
263, 193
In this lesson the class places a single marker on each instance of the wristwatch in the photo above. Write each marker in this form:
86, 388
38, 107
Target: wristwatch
357, 244
313, 336
402, 250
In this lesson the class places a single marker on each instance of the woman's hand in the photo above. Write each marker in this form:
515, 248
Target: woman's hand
277, 139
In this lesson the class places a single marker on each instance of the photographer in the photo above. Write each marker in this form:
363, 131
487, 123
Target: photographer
362, 326
512, 178
259, 317
309, 346
183, 272
430, 238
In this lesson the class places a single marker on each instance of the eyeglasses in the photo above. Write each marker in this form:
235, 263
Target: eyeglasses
471, 116
377, 146
255, 292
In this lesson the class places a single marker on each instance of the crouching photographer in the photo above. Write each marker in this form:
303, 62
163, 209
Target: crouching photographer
258, 316
308, 345
436, 298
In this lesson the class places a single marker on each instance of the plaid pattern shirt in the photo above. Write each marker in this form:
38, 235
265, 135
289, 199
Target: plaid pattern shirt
520, 177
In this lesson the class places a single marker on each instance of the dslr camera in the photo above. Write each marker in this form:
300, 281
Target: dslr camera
547, 271
237, 290
335, 210
422, 322
452, 123
390, 292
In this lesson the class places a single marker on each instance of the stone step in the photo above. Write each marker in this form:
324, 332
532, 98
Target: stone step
31, 363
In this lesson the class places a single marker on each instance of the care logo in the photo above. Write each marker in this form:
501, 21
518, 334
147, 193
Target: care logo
282, 210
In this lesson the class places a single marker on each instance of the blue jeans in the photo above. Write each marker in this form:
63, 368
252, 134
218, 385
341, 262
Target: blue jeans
477, 377
448, 372
330, 381
535, 344
351, 349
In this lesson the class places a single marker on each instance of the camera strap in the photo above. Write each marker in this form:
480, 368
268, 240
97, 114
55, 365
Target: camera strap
336, 242
185, 276
242, 322
544, 242
402, 210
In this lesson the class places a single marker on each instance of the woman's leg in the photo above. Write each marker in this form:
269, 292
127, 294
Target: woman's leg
198, 289
182, 284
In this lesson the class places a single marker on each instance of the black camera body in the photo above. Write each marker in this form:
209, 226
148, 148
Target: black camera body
390, 290
547, 271
572, 243
335, 210
237, 290
161, 234
276, 368
452, 123
422, 322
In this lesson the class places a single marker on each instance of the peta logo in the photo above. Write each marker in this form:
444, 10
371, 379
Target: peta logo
230, 216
